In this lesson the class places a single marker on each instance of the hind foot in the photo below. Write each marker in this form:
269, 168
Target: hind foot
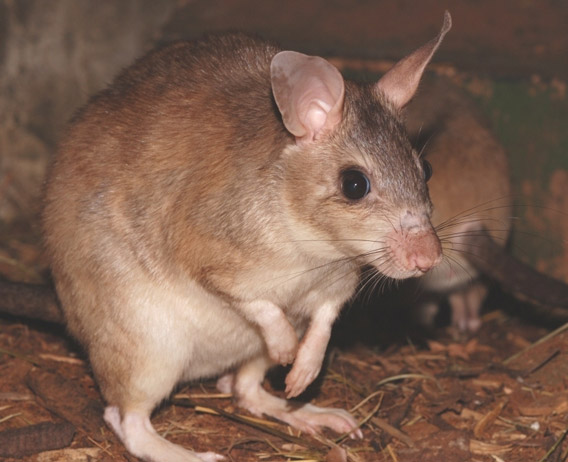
141, 440
305, 417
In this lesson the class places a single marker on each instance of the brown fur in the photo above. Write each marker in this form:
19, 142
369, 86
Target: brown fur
192, 235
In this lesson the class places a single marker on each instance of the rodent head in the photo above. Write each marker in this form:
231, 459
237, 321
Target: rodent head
352, 180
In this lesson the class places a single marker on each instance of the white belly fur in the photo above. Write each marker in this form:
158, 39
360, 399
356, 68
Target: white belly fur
207, 337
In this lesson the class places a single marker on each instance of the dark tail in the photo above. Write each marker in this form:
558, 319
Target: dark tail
516, 277
31, 301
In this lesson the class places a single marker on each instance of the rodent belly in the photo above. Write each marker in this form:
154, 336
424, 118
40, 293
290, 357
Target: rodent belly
210, 337
225, 342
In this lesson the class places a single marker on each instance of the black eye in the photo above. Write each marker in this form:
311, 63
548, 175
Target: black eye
354, 184
427, 167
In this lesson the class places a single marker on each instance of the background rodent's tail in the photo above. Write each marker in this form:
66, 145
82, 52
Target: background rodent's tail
33, 301
514, 276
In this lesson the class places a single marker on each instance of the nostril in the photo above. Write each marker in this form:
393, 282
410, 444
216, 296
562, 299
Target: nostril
426, 258
424, 263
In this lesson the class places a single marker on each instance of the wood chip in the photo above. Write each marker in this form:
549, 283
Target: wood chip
546, 406
21, 442
486, 383
12, 396
488, 449
70, 455
488, 420
67, 399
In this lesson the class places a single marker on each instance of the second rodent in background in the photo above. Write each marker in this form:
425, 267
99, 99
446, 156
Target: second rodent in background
470, 189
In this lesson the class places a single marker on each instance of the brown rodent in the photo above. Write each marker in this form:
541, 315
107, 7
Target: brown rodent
471, 192
215, 204
470, 189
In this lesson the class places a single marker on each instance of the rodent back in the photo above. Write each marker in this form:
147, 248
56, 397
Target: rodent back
185, 128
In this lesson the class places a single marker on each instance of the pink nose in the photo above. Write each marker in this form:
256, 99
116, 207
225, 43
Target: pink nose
423, 263
425, 252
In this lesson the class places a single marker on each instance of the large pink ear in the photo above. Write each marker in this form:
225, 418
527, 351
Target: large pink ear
400, 83
309, 93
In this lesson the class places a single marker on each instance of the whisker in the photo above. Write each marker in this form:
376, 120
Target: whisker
450, 237
427, 141
339, 269
451, 259
470, 216
374, 241
369, 285
540, 207
473, 219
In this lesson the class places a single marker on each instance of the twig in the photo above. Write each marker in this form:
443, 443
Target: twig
19, 356
244, 420
538, 342
8, 417
62, 359
364, 420
396, 378
368, 398
393, 431
554, 447
392, 453
203, 395
541, 364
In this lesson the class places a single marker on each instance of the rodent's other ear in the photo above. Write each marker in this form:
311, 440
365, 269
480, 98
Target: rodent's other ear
309, 93
400, 83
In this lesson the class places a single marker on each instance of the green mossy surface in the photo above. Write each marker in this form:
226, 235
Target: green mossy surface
531, 120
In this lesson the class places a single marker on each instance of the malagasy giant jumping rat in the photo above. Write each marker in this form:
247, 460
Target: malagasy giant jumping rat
215, 204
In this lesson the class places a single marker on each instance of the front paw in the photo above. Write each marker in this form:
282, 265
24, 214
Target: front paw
282, 345
304, 372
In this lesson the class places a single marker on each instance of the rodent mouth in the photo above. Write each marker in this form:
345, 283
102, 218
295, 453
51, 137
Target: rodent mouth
400, 273
410, 253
